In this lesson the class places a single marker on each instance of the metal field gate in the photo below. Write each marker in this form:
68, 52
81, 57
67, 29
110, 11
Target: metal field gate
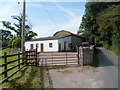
58, 58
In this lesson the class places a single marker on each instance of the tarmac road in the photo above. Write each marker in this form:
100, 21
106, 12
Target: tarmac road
109, 68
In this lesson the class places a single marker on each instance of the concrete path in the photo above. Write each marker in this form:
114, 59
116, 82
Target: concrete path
105, 76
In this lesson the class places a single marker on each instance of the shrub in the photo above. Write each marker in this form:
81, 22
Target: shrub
5, 43
17, 42
106, 45
115, 42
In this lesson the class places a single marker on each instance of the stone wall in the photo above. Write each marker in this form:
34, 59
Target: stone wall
85, 55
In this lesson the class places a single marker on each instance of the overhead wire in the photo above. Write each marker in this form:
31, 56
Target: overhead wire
49, 14
19, 9
19, 12
18, 3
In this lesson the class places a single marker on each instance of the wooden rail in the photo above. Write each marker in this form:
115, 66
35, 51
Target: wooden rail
7, 62
21, 60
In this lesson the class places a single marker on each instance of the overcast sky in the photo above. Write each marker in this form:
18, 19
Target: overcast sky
48, 17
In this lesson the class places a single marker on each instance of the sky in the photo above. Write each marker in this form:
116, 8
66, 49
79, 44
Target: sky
46, 18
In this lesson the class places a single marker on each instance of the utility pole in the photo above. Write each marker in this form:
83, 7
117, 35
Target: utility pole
23, 27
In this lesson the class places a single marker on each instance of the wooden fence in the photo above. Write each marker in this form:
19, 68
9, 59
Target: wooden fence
5, 66
32, 58
20, 61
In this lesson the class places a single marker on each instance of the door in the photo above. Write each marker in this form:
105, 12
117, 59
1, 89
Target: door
64, 46
42, 47
59, 47
31, 47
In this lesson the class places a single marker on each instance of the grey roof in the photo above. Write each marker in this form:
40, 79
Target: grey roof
53, 37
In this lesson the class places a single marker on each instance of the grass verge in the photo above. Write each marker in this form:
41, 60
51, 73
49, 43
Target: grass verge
95, 59
29, 77
58, 67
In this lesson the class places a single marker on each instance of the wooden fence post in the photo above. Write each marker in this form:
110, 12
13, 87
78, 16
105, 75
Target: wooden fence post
28, 61
5, 61
26, 53
18, 60
36, 57
23, 57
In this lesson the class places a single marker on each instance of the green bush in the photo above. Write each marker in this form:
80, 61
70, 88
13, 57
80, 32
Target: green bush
17, 42
10, 44
99, 44
95, 62
106, 45
5, 43
115, 42
115, 39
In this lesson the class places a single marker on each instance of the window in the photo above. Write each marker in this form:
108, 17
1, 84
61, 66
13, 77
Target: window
70, 44
50, 45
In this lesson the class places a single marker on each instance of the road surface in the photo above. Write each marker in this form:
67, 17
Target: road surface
109, 68
104, 76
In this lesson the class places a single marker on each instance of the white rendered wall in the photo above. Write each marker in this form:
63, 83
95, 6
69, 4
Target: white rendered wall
45, 45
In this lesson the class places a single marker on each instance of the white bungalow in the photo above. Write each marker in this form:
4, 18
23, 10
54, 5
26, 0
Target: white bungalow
55, 43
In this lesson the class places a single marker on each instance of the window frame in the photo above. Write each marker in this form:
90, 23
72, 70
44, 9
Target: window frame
50, 45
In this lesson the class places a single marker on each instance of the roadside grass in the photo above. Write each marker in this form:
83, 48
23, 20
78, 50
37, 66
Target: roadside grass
65, 71
114, 52
95, 62
58, 67
29, 77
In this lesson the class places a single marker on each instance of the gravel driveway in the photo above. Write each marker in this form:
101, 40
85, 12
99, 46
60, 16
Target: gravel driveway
76, 77
105, 76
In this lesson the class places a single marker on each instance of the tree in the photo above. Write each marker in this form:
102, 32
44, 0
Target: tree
17, 28
109, 26
101, 23
89, 22
17, 42
81, 32
109, 19
6, 35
